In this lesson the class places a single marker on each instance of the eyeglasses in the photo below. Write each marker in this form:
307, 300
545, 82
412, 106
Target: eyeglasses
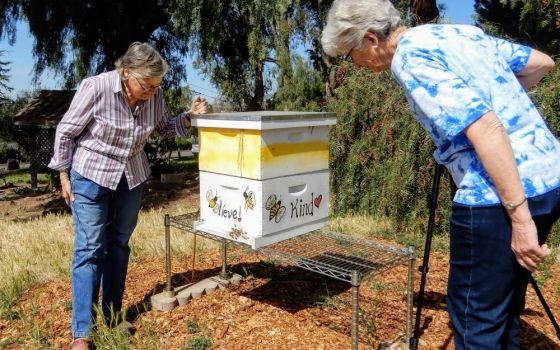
150, 88
348, 56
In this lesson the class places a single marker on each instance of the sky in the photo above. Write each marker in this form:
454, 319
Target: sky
21, 58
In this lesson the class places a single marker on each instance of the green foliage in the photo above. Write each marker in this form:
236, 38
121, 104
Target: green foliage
7, 152
381, 159
259, 35
192, 326
86, 37
4, 77
8, 109
10, 294
178, 100
234, 58
533, 22
546, 95
199, 343
302, 91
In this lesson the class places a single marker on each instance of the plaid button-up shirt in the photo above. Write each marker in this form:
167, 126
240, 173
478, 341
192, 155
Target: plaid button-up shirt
101, 138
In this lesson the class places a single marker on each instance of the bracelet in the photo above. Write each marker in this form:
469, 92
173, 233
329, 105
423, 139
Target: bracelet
511, 206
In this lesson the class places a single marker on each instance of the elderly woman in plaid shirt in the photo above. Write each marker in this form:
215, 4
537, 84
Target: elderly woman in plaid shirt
99, 153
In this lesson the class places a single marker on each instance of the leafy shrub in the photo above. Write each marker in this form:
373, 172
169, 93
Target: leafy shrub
381, 158
7, 152
547, 97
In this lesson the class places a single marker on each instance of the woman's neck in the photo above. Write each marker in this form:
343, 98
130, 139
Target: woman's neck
395, 37
132, 101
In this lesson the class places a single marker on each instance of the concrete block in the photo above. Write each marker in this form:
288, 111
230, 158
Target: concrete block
163, 302
222, 283
236, 279
197, 294
183, 298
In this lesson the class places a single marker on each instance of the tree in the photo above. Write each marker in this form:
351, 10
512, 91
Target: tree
4, 77
533, 22
424, 11
236, 42
8, 109
84, 38
302, 90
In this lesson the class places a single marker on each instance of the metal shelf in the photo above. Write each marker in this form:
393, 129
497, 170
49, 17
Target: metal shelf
343, 257
328, 253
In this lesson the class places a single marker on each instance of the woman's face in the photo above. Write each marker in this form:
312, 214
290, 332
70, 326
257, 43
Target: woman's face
374, 54
141, 88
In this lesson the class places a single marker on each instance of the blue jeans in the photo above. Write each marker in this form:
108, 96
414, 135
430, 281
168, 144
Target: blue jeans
103, 223
486, 287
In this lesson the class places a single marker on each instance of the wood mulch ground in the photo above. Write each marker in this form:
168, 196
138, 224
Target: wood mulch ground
276, 306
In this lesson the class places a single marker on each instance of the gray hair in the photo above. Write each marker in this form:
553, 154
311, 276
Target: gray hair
349, 20
143, 60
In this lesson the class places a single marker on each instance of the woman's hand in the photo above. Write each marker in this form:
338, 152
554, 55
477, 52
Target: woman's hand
525, 244
199, 106
66, 188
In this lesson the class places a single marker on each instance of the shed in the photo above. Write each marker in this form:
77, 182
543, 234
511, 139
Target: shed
40, 117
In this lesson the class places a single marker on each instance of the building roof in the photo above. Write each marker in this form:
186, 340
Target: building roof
45, 109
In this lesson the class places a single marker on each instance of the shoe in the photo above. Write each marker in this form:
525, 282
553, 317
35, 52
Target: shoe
81, 344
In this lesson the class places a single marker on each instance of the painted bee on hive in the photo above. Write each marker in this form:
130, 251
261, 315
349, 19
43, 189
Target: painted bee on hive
237, 233
212, 200
249, 199
276, 209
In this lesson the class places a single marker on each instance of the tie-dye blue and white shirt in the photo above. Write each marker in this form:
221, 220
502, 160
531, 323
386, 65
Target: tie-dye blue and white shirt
454, 74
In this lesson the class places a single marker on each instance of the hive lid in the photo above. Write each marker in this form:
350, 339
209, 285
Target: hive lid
263, 120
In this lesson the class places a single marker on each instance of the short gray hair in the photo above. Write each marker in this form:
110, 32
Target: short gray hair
143, 60
349, 20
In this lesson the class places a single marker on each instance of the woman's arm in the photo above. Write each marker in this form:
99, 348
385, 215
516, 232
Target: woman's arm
75, 120
538, 65
181, 124
491, 143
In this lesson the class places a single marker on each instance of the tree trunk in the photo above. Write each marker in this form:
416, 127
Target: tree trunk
257, 101
423, 11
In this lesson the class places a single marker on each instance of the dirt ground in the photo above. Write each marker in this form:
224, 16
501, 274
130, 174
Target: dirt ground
276, 306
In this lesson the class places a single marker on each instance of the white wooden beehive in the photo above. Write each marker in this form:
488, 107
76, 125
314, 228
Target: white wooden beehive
263, 175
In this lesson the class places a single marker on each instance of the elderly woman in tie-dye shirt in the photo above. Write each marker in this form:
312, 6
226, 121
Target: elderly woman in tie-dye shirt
99, 151
468, 91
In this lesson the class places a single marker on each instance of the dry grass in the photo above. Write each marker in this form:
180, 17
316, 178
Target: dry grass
40, 250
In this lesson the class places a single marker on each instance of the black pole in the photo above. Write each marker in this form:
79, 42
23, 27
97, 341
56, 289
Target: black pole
432, 205
545, 305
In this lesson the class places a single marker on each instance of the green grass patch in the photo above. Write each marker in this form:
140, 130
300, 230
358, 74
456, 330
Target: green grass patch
22, 176
199, 343
192, 326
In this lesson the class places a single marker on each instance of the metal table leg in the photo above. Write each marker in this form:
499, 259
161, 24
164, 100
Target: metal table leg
356, 280
224, 274
410, 293
168, 289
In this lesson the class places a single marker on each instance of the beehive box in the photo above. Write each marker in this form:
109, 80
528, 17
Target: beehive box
263, 175
260, 213
264, 145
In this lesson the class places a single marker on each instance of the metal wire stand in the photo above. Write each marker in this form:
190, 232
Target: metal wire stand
343, 257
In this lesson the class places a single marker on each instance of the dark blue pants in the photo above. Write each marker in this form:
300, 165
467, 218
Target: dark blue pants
486, 288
